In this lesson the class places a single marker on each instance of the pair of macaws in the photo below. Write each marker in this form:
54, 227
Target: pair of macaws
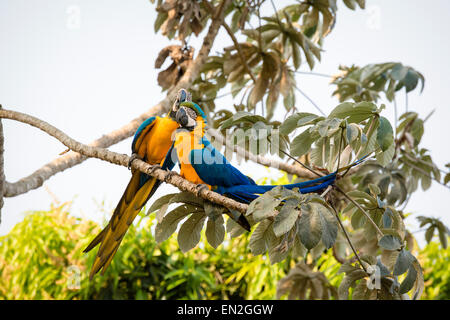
199, 162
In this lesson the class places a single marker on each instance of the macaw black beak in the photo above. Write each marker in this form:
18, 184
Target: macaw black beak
182, 117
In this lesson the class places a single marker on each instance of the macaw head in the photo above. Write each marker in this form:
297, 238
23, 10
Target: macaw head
188, 113
182, 96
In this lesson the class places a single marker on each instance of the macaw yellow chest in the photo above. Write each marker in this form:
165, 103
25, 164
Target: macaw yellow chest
158, 140
185, 142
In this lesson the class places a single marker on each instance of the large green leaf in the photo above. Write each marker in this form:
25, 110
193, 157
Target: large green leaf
354, 112
260, 237
286, 218
403, 263
385, 134
297, 120
170, 221
316, 223
302, 143
190, 231
215, 230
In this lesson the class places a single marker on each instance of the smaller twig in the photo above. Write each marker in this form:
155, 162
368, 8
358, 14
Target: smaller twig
420, 230
299, 162
429, 115
348, 238
276, 12
395, 117
362, 210
405, 203
310, 100
259, 21
421, 161
425, 173
406, 100
314, 74
326, 191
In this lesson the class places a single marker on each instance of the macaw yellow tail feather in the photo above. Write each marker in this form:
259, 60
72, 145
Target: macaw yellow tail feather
111, 237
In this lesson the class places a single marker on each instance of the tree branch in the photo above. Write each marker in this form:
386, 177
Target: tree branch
123, 160
236, 43
36, 179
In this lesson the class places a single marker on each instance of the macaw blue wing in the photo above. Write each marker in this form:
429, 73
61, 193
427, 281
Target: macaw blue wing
214, 169
140, 133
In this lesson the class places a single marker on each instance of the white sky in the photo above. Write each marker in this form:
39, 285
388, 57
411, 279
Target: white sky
92, 74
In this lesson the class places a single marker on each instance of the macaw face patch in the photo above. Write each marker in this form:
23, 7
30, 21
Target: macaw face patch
186, 117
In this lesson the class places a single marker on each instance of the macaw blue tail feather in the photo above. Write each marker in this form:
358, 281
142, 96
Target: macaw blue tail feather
248, 193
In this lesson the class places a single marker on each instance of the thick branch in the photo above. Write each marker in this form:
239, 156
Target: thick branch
123, 160
36, 179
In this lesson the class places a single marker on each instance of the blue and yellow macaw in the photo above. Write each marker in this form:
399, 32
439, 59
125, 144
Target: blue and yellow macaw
201, 163
151, 143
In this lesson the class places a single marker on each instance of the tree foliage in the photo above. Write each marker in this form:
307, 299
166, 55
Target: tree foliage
260, 71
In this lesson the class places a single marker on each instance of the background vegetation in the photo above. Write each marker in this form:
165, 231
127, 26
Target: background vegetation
41, 257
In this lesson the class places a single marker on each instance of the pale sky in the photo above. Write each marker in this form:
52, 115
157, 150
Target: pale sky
87, 67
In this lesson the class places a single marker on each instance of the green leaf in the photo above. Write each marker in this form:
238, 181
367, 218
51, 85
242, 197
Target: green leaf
403, 263
160, 202
352, 132
302, 143
242, 116
285, 220
190, 231
429, 233
263, 207
349, 279
385, 134
384, 158
390, 242
188, 198
309, 227
442, 235
170, 222
329, 226
399, 72
297, 120
316, 223
260, 237
215, 231
354, 112
409, 281
234, 229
